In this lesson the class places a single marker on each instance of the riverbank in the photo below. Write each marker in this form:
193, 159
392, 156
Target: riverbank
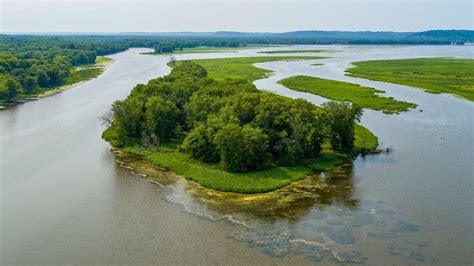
212, 176
433, 75
78, 76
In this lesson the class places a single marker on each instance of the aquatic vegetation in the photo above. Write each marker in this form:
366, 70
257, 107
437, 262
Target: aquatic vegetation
213, 176
434, 75
242, 67
342, 91
319, 217
297, 51
364, 139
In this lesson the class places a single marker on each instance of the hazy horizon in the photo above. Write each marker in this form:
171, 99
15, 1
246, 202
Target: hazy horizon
106, 16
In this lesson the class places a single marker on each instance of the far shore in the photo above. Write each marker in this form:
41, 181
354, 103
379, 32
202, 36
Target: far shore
102, 65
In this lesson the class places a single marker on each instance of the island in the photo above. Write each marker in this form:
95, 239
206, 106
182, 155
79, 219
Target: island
365, 97
433, 75
229, 136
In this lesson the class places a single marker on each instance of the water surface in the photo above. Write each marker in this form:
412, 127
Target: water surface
65, 199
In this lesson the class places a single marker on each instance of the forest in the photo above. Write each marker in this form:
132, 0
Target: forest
31, 63
229, 122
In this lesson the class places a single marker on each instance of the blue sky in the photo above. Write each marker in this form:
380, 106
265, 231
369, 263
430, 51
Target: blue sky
243, 15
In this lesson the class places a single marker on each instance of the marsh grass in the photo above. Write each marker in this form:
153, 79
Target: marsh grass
297, 51
242, 67
342, 91
365, 139
434, 75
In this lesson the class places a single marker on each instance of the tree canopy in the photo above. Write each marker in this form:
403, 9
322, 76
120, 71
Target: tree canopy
230, 122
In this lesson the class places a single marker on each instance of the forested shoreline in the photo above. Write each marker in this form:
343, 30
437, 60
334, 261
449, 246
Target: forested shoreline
30, 63
231, 126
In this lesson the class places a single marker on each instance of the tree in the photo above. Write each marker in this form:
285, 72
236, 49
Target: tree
161, 118
341, 119
9, 88
128, 119
29, 84
242, 148
199, 143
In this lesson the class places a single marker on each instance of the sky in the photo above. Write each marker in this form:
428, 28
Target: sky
234, 15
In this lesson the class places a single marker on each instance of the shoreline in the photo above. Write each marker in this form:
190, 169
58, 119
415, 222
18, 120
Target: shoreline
55, 90
144, 168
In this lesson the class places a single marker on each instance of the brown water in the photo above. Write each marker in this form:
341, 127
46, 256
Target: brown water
65, 199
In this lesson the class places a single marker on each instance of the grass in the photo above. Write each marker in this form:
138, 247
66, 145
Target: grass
242, 67
434, 75
342, 91
101, 60
82, 75
214, 177
297, 51
86, 72
364, 139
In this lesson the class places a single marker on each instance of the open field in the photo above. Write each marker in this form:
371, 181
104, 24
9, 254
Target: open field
342, 91
242, 67
434, 75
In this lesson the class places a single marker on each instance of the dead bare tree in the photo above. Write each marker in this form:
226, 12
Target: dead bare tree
107, 118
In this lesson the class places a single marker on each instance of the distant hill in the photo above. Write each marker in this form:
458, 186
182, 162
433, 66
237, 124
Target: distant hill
448, 35
444, 36
300, 37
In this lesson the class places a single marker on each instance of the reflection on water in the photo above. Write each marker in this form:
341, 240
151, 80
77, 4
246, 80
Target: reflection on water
319, 217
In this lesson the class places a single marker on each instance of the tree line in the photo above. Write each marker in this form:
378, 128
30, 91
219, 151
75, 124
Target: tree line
29, 63
169, 46
230, 122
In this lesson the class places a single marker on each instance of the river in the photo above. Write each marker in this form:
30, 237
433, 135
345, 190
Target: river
65, 199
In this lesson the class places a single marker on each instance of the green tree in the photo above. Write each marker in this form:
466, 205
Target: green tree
341, 119
128, 120
199, 143
161, 118
242, 148
9, 88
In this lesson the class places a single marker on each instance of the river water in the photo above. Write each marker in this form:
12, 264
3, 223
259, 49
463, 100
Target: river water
65, 198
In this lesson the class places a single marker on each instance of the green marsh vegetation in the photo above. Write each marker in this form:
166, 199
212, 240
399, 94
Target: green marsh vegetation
86, 72
242, 67
297, 51
434, 75
365, 97
229, 136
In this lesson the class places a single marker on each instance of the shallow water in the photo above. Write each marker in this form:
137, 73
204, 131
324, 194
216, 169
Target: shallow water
64, 198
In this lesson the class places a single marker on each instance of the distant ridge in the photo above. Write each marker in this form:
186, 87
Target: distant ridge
304, 37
